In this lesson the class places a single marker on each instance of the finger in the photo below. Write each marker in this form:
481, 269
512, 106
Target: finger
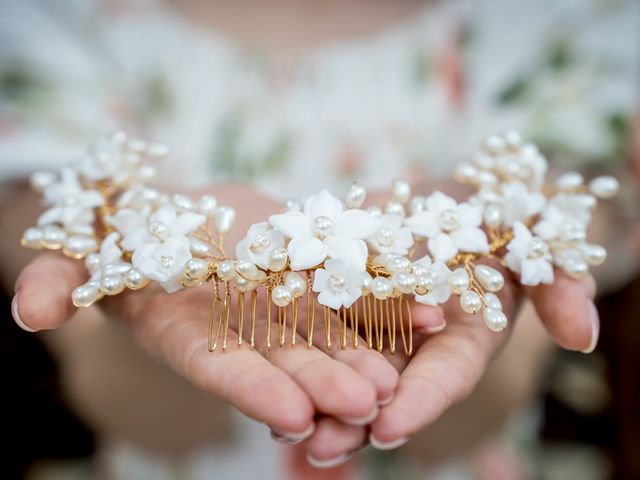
176, 326
444, 370
43, 292
427, 319
567, 311
333, 443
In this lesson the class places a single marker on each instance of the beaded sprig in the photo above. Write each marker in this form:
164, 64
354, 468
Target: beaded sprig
361, 265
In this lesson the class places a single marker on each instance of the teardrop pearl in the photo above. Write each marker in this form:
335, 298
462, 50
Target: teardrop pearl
401, 190
196, 268
416, 205
207, 205
223, 218
492, 301
594, 254
604, 186
470, 302
247, 269
86, 295
575, 268
200, 248
381, 288
79, 246
398, 264
404, 282
393, 207
112, 284
135, 280
245, 285
459, 281
277, 259
226, 270
53, 237
490, 278
569, 181
492, 216
32, 238
355, 196
281, 295
296, 283
495, 319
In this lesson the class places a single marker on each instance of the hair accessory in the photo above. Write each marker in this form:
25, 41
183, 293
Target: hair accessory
364, 266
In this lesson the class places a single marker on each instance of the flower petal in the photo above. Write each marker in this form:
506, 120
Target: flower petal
470, 215
294, 225
356, 224
329, 299
349, 250
306, 253
470, 240
437, 202
442, 247
186, 223
423, 223
323, 204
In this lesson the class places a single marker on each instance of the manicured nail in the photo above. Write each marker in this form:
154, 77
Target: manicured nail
386, 401
393, 444
433, 329
358, 422
291, 438
329, 463
16, 315
595, 327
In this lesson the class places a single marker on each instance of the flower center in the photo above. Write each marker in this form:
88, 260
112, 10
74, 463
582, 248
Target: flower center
537, 248
167, 262
69, 201
337, 283
385, 237
449, 220
322, 225
158, 229
260, 243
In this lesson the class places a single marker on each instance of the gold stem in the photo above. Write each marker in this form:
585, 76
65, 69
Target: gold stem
294, 321
240, 317
212, 343
254, 301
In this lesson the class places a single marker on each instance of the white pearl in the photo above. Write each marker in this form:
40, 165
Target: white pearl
492, 216
112, 284
393, 207
355, 196
604, 186
513, 139
401, 190
398, 264
245, 285
53, 236
490, 278
226, 270
135, 280
416, 205
486, 179
159, 230
146, 173
118, 137
207, 205
465, 172
573, 233
86, 295
366, 282
492, 301
418, 269
92, 262
495, 319
424, 284
383, 259
404, 282
182, 202
381, 288
575, 267
196, 268
593, 254
200, 248
281, 295
569, 181
277, 259
223, 217
385, 237
374, 211
32, 238
296, 284
137, 145
322, 225
494, 144
41, 180
470, 302
449, 220
247, 269
337, 283
78, 246
458, 281
260, 243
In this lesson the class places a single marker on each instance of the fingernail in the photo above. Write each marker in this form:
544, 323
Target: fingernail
386, 401
595, 327
358, 422
393, 444
433, 329
16, 314
329, 463
291, 438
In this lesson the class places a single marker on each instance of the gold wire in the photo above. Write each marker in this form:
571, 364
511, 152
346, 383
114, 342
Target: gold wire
381, 304
354, 323
227, 311
240, 317
369, 321
408, 349
310, 313
391, 324
294, 321
375, 324
343, 340
327, 325
211, 344
254, 302
268, 306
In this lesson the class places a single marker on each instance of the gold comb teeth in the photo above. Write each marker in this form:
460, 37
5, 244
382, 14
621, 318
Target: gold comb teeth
326, 270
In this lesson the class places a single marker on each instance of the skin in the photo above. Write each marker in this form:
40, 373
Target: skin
292, 389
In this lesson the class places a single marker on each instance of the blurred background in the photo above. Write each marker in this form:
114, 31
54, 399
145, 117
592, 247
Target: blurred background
292, 96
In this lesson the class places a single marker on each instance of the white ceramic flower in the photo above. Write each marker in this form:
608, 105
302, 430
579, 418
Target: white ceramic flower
164, 262
439, 271
529, 256
108, 261
163, 223
391, 237
71, 205
324, 229
449, 226
258, 244
564, 212
518, 203
127, 220
339, 284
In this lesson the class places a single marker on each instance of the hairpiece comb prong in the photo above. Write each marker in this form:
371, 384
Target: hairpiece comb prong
359, 266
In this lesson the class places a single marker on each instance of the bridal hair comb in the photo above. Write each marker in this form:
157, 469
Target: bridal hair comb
359, 265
